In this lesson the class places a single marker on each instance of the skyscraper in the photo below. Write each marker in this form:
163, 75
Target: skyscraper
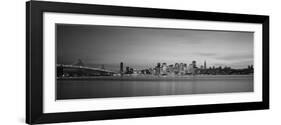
121, 68
164, 68
194, 63
157, 68
127, 70
177, 68
205, 65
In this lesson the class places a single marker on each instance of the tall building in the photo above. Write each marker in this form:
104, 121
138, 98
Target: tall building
190, 68
158, 65
164, 68
194, 63
181, 66
121, 68
177, 68
185, 68
157, 68
127, 70
205, 65
194, 67
181, 69
171, 68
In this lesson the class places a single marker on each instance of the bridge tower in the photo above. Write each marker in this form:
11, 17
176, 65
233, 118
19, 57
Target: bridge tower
79, 63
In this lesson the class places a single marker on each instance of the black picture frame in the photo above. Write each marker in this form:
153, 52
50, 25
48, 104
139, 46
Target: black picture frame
34, 62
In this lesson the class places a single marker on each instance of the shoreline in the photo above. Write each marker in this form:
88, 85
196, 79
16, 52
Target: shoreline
160, 78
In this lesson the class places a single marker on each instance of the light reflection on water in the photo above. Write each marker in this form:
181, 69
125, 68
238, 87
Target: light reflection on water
77, 89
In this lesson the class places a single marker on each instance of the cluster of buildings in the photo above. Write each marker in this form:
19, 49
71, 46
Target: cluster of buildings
165, 69
162, 69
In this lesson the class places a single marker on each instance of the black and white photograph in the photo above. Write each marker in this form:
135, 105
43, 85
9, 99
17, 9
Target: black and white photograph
107, 61
89, 62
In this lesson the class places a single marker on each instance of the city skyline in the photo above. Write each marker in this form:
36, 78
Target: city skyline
144, 47
203, 65
160, 69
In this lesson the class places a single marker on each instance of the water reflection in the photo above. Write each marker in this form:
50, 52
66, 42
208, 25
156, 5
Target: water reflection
76, 89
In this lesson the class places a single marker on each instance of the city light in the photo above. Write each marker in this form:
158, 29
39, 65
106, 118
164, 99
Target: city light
160, 69
181, 69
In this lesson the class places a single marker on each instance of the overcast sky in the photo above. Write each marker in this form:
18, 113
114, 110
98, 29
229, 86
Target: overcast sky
144, 47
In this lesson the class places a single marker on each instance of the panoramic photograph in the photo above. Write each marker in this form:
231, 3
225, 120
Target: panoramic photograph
97, 61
